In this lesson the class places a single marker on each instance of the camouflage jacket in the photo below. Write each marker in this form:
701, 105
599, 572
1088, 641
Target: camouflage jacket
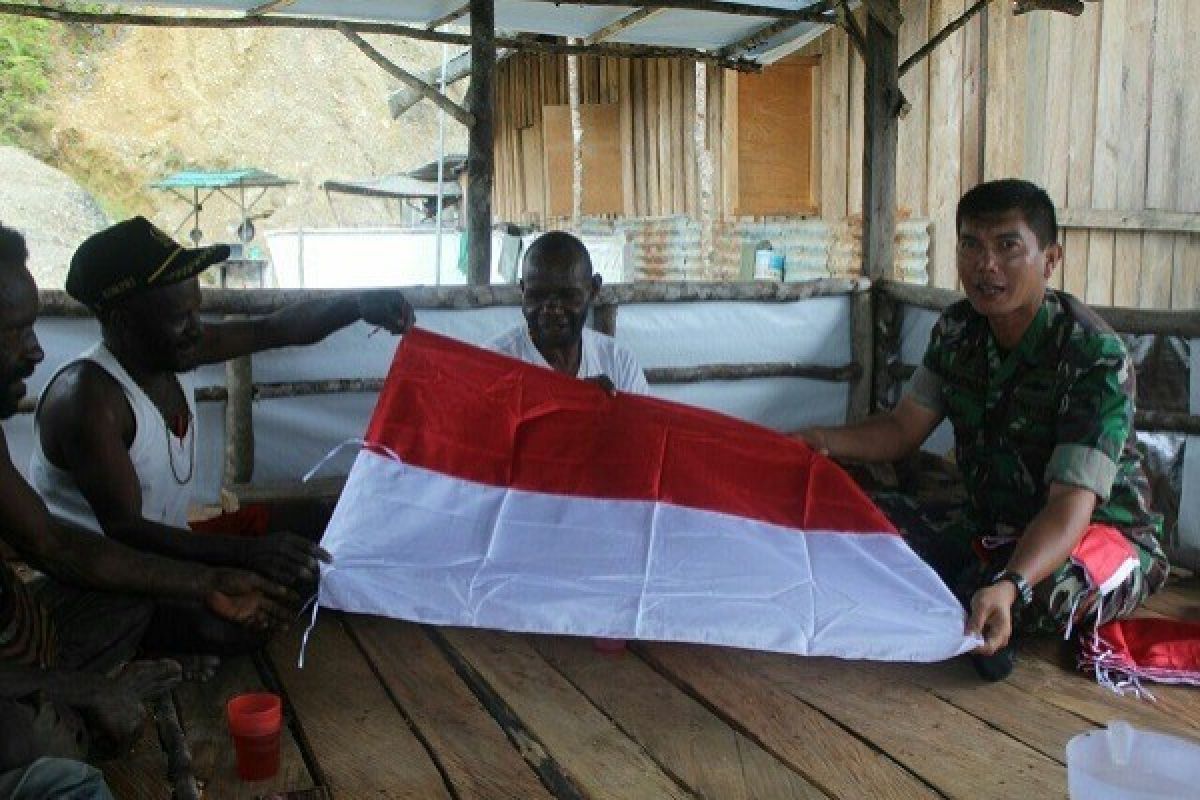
1057, 408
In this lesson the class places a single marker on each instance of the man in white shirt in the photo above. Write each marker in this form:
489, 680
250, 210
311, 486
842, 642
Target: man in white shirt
558, 287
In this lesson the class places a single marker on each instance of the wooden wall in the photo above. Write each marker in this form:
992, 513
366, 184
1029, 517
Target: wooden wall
1102, 110
656, 170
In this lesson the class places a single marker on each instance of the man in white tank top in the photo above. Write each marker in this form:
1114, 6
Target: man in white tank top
63, 636
116, 441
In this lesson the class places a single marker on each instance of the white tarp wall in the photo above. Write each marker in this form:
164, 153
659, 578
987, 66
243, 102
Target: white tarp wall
292, 434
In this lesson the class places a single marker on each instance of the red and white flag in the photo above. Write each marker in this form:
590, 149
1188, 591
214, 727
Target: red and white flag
498, 494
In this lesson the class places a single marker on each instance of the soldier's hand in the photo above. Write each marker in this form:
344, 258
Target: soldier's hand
386, 308
991, 616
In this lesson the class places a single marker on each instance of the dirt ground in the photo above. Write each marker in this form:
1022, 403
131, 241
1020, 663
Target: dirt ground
306, 105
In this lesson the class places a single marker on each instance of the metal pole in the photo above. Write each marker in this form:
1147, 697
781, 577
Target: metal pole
441, 176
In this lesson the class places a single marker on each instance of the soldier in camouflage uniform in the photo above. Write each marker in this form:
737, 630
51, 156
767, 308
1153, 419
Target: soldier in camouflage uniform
1040, 393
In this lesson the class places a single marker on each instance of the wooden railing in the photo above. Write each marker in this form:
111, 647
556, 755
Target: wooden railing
892, 296
241, 391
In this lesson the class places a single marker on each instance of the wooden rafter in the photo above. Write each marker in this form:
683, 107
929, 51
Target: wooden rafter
887, 12
941, 36
624, 23
446, 19
849, 24
446, 104
817, 12
1072, 7
518, 43
268, 7
741, 46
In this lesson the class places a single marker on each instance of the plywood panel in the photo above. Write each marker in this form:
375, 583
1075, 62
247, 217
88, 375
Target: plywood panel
1085, 47
835, 77
973, 64
855, 129
1109, 129
913, 129
666, 133
945, 141
603, 186
774, 121
628, 198
1055, 132
1132, 146
559, 160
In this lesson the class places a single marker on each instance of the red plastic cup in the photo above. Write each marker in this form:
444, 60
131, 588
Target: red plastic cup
610, 647
255, 721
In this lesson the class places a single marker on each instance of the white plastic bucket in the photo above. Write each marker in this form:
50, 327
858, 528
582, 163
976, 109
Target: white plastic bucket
1122, 762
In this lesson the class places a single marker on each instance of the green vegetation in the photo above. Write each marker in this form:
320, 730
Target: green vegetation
25, 52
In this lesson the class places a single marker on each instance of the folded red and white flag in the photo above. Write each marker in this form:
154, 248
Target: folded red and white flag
497, 494
1127, 651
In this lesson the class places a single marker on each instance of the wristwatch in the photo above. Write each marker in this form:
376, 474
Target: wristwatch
1024, 590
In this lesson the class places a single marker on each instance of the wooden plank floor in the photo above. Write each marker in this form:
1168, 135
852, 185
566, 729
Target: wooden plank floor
387, 709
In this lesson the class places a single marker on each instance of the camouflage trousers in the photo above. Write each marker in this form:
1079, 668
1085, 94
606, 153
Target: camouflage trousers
1065, 602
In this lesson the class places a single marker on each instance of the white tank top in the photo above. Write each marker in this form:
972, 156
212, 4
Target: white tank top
164, 463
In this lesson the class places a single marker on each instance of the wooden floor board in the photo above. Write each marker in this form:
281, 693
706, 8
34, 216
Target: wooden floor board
362, 745
802, 737
202, 712
1179, 599
947, 747
695, 745
599, 760
465, 740
1044, 727
1176, 709
142, 774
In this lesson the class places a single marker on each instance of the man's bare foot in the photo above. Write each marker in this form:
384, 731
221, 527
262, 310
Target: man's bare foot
117, 713
198, 668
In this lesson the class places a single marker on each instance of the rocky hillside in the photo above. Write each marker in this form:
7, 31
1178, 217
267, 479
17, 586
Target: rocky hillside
131, 105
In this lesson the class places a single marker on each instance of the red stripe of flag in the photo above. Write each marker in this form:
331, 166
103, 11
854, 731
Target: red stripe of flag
494, 420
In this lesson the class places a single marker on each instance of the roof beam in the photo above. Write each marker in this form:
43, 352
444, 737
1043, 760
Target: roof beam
887, 12
446, 104
736, 49
941, 36
520, 44
457, 68
268, 7
446, 19
624, 23
850, 25
1072, 7
817, 12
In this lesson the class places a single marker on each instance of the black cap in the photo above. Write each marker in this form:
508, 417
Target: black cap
132, 257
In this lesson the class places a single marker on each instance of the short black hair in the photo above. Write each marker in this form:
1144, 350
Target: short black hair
558, 248
997, 197
13, 252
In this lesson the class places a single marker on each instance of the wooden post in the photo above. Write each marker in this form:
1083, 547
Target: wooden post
604, 318
882, 104
481, 151
239, 421
862, 349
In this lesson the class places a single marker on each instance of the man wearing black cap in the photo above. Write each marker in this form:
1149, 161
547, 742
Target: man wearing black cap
115, 449
63, 638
